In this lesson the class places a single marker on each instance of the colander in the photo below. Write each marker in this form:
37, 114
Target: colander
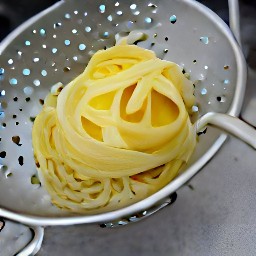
55, 46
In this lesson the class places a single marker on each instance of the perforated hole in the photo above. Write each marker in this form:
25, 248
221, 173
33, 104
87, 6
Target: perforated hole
3, 104
3, 154
16, 140
204, 91
110, 18
1, 71
27, 43
82, 47
2, 115
88, 29
226, 82
4, 168
19, 53
74, 31
13, 81
35, 180
36, 82
102, 8
173, 19
57, 25
10, 61
67, 16
153, 7
202, 132
204, 39
221, 99
44, 72
133, 6
26, 72
148, 20
36, 59
66, 69
105, 35
42, 32
21, 160
54, 50
195, 109
28, 90
32, 119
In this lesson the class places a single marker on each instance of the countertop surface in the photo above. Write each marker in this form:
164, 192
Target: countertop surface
213, 215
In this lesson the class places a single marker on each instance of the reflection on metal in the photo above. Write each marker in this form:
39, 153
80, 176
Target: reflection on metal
35, 244
141, 215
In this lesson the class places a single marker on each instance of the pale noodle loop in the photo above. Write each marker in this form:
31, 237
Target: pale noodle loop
117, 133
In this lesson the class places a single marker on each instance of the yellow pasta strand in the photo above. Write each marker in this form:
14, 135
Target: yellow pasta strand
117, 133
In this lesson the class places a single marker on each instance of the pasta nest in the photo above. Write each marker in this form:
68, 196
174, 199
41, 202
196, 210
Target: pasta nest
117, 133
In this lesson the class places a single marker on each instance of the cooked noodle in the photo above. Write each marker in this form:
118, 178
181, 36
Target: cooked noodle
117, 133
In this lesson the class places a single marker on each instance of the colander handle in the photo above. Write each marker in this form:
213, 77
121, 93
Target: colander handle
34, 246
230, 124
234, 19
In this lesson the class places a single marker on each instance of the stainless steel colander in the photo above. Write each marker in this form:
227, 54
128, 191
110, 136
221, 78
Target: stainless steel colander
55, 46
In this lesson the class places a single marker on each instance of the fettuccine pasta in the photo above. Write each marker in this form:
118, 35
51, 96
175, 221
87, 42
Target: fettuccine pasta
117, 133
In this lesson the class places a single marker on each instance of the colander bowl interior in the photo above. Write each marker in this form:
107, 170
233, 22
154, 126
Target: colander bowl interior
56, 45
